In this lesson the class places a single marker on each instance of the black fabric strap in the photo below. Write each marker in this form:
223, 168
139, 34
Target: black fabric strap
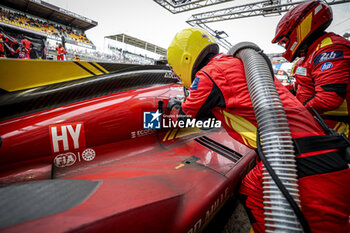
306, 101
243, 199
339, 88
215, 99
345, 119
318, 143
320, 164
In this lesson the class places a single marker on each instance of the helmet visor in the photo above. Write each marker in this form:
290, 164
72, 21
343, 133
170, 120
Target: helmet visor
284, 42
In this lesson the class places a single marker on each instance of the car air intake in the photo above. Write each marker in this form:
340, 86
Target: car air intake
219, 148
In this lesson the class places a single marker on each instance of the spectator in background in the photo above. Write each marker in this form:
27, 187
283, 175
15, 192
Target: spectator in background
3, 37
60, 52
27, 44
2, 48
22, 20
13, 44
33, 54
76, 58
10, 45
22, 52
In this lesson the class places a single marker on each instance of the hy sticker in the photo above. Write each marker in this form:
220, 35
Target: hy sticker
65, 137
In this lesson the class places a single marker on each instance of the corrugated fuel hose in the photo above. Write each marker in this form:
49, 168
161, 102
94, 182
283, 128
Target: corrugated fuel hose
280, 188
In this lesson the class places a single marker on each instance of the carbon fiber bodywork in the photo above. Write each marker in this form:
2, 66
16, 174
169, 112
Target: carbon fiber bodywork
89, 163
124, 78
27, 201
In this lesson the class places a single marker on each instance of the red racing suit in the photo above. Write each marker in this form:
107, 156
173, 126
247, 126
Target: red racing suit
294, 86
2, 50
60, 53
323, 78
3, 40
27, 45
220, 88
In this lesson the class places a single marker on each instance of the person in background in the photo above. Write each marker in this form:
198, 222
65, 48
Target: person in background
4, 38
21, 52
60, 52
2, 48
323, 71
13, 45
76, 57
28, 45
218, 87
33, 54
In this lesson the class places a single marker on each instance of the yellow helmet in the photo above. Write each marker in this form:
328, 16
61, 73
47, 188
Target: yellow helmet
188, 50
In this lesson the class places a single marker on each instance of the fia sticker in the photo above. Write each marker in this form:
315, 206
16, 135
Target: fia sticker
65, 160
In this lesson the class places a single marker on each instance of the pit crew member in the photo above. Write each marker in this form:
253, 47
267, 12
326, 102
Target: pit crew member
323, 71
60, 52
218, 86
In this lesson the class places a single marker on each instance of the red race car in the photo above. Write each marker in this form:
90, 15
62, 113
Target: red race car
79, 156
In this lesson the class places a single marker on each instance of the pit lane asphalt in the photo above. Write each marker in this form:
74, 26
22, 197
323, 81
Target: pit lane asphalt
232, 218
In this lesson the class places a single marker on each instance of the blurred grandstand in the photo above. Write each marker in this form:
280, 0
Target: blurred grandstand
118, 46
46, 25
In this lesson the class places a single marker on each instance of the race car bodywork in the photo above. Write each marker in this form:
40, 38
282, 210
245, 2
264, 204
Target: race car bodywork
75, 157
